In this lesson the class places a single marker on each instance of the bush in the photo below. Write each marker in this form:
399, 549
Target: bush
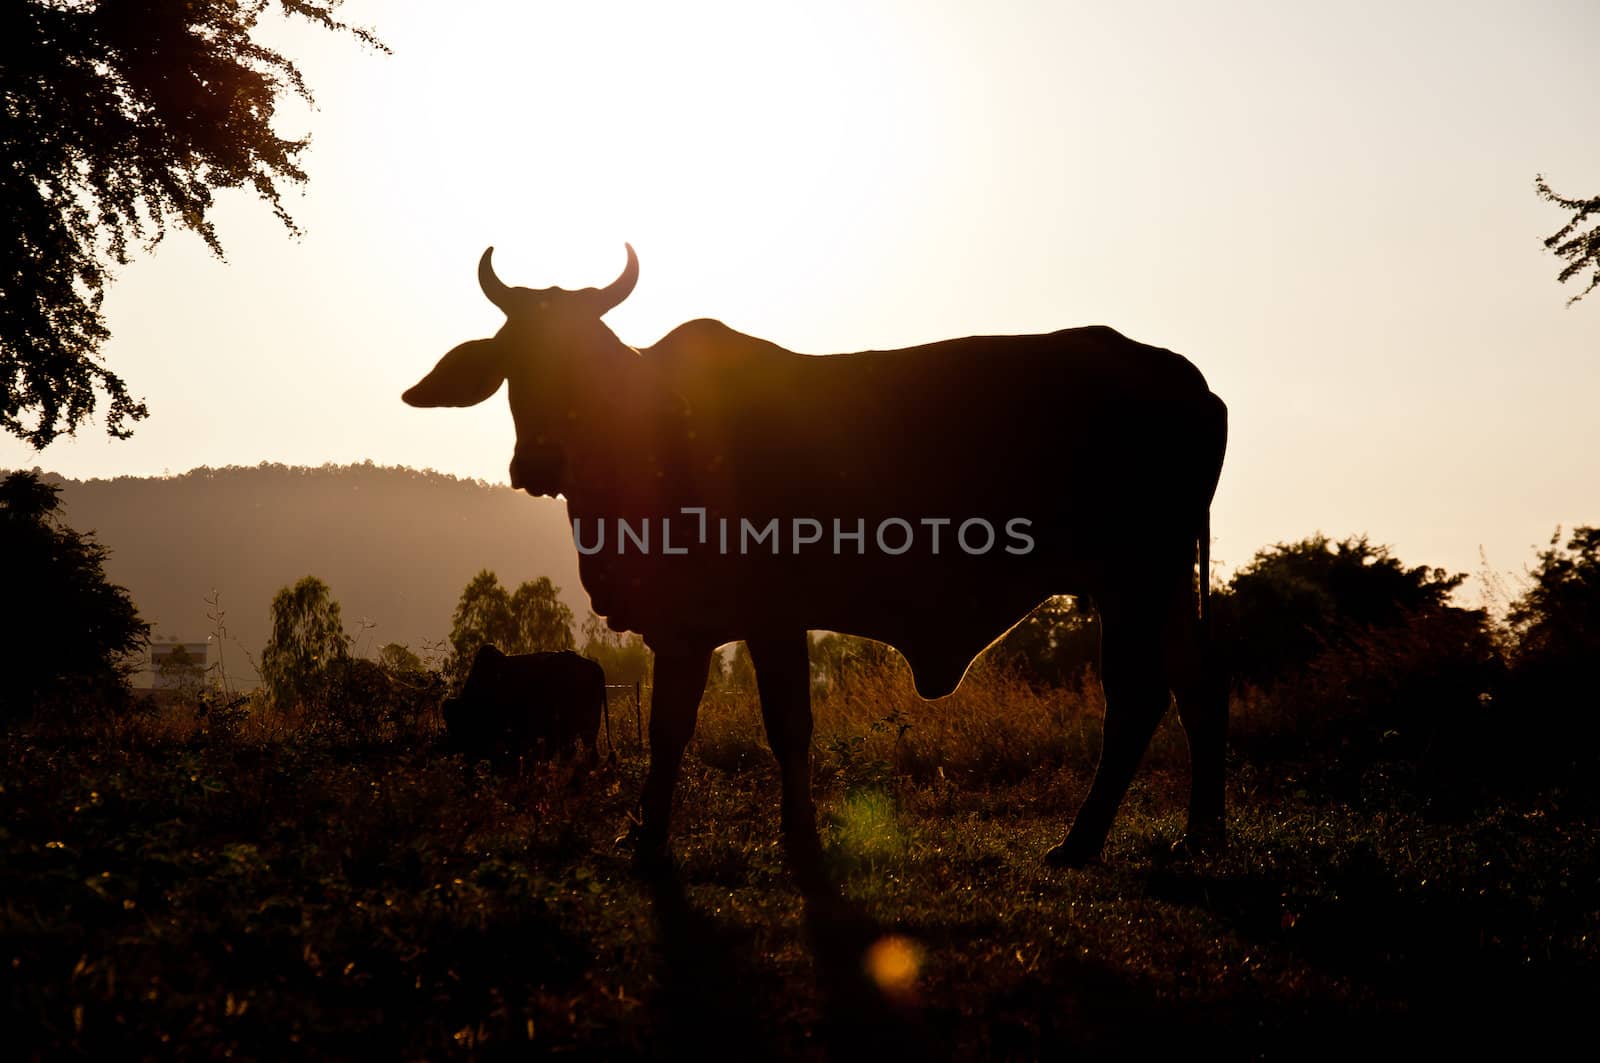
307, 667
1419, 691
368, 700
1342, 655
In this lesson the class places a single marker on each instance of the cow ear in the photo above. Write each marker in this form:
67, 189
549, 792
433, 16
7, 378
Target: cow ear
465, 377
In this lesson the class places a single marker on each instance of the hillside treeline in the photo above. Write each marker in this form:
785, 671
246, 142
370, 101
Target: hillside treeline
397, 545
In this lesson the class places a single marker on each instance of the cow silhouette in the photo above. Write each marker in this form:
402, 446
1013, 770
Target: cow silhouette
536, 704
724, 488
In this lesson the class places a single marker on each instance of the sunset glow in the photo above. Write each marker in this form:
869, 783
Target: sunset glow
1331, 214
799, 529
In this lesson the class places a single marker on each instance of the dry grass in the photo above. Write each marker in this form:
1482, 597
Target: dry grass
270, 896
996, 728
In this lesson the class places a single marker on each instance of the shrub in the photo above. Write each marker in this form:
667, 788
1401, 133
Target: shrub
1419, 690
368, 700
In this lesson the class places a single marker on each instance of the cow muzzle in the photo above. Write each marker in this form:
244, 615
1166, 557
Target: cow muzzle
537, 469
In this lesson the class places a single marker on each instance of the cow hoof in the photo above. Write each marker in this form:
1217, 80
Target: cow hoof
1071, 853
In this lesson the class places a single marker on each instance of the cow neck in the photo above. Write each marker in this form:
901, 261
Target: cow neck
617, 438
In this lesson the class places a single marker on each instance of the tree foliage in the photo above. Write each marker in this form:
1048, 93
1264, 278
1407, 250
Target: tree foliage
1579, 246
121, 119
367, 700
531, 619
834, 659
306, 646
1340, 645
1294, 600
68, 633
1053, 645
1557, 625
624, 657
397, 657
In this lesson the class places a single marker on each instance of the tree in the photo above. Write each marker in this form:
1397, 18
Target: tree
1351, 650
543, 620
625, 657
1581, 249
396, 657
1053, 645
1556, 622
1293, 600
121, 118
307, 644
533, 619
68, 634
834, 658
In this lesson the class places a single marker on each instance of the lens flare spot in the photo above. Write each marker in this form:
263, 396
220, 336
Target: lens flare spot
892, 962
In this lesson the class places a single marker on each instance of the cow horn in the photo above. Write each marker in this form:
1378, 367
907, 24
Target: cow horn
498, 292
619, 289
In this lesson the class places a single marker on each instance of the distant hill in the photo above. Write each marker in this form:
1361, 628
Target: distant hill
395, 545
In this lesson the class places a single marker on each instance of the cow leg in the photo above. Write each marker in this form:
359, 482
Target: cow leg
783, 679
1133, 672
680, 679
1202, 695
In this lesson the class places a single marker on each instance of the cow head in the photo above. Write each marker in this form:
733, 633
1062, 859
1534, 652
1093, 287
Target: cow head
560, 363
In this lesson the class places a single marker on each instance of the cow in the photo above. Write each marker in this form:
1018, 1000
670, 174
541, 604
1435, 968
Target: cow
722, 488
527, 703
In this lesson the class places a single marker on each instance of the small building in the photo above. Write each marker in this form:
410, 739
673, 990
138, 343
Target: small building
178, 665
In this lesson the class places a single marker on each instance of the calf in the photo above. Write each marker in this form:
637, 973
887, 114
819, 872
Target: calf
532, 704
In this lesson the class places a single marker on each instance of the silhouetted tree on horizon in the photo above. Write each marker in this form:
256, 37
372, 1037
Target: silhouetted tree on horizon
1555, 666
1580, 247
119, 120
1292, 600
531, 619
1338, 645
68, 635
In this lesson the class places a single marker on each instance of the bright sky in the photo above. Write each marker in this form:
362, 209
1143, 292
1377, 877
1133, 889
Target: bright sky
1328, 208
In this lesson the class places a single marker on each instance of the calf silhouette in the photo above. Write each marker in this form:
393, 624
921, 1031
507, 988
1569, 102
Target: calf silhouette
724, 488
530, 704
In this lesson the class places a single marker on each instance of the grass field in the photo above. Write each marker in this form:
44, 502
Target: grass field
269, 895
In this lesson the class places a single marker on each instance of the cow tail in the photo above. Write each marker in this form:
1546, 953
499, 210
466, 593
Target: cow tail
1215, 440
605, 710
